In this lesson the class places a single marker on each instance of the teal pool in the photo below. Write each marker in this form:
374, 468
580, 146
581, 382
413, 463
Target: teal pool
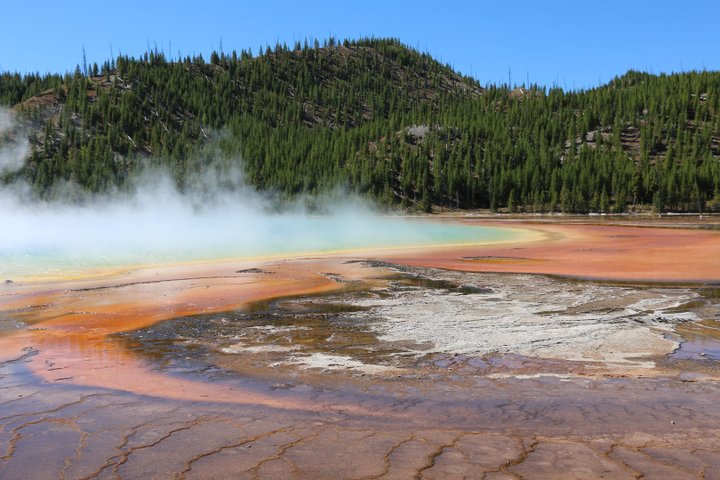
48, 245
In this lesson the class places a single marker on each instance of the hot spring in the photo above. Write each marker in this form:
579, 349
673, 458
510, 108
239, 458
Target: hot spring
65, 241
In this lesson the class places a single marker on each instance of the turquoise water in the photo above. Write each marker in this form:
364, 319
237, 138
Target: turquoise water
46, 248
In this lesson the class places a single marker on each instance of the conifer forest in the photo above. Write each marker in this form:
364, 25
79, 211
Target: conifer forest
377, 118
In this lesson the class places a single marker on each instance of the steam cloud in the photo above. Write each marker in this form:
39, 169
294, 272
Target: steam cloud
217, 216
14, 148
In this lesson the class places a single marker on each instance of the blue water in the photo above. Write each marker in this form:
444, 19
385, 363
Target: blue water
91, 244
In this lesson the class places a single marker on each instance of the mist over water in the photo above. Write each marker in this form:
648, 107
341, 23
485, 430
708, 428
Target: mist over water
164, 226
216, 216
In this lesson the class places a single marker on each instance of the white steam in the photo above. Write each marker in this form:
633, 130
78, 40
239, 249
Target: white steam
216, 216
157, 223
14, 148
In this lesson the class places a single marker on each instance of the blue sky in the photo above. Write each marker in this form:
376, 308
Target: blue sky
568, 43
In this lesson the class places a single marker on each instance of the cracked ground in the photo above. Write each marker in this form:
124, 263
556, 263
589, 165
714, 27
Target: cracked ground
421, 428
195, 414
615, 431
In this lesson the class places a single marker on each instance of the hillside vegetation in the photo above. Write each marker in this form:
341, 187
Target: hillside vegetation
380, 119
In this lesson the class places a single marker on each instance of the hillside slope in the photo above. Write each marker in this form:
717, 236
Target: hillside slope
381, 119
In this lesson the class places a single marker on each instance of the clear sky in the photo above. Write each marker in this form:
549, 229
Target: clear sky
568, 43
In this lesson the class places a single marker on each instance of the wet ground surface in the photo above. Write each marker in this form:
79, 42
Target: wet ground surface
419, 374
423, 321
434, 428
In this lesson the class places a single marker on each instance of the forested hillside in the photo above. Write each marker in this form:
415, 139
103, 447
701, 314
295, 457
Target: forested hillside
378, 118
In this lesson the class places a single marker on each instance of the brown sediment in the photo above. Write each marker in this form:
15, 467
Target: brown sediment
72, 329
624, 253
72, 321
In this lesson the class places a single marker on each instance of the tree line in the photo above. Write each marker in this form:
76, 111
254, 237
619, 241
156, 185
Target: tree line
379, 118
